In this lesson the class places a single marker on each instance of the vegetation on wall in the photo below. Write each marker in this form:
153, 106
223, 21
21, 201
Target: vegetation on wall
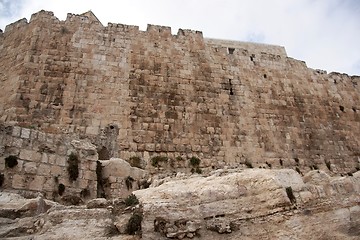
135, 161
73, 166
131, 200
134, 225
155, 161
194, 161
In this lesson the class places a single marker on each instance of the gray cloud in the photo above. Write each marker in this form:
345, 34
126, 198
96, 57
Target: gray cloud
324, 33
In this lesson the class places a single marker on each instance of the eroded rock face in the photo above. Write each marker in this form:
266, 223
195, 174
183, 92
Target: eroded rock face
121, 178
253, 204
20, 218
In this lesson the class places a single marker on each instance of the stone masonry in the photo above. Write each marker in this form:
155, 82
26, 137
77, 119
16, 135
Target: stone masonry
149, 93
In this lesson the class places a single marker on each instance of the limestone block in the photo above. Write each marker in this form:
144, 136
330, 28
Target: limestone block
57, 170
150, 147
17, 142
30, 155
61, 161
37, 183
18, 182
89, 175
16, 131
44, 170
52, 158
30, 167
44, 158
92, 130
119, 168
25, 133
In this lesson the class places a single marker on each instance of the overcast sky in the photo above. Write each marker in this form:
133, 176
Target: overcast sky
324, 33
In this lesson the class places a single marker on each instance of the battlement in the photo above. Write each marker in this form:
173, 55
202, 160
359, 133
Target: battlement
257, 48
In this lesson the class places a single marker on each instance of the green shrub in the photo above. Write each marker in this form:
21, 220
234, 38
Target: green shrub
194, 161
11, 161
131, 200
155, 161
134, 225
248, 164
135, 161
73, 166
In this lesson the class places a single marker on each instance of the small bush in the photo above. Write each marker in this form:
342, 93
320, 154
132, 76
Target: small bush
194, 161
73, 167
129, 182
143, 184
131, 200
134, 225
85, 193
135, 161
155, 161
11, 161
179, 158
61, 189
248, 164
2, 179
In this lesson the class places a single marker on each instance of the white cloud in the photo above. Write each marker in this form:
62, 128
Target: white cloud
324, 33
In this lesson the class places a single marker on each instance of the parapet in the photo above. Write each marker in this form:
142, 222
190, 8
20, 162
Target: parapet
256, 48
43, 15
16, 24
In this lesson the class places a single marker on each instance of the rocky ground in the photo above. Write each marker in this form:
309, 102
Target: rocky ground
247, 204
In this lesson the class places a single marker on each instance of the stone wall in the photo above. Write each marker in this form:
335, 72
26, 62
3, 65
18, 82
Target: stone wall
32, 161
149, 93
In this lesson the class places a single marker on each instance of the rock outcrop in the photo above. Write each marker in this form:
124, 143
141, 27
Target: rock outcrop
20, 219
251, 204
254, 204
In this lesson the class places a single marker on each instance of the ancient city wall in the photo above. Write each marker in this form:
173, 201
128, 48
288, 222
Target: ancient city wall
150, 93
33, 161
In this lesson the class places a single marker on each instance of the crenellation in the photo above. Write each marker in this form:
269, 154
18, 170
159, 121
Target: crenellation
15, 26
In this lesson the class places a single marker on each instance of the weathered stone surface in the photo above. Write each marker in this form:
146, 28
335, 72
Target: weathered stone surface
117, 167
148, 93
23, 219
252, 204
